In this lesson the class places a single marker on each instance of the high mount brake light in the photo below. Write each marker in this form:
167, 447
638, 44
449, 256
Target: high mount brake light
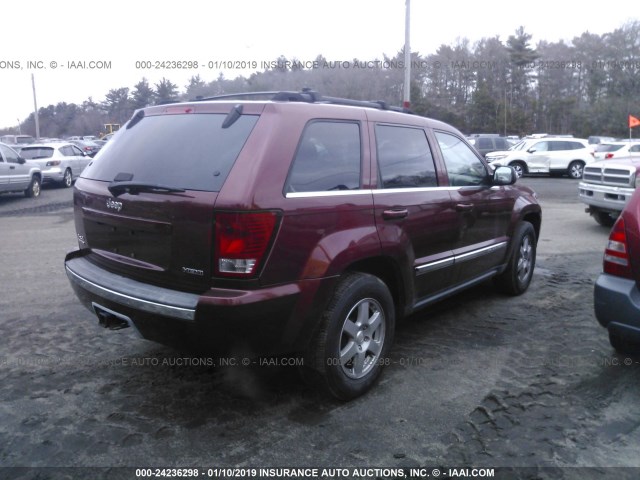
241, 242
616, 255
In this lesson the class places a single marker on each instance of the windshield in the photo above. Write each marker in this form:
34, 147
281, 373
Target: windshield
518, 146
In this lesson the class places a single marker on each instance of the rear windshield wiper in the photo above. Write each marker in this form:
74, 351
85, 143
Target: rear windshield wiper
117, 188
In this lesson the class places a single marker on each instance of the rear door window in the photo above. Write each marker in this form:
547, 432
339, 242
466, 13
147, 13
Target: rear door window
67, 151
189, 151
404, 157
328, 158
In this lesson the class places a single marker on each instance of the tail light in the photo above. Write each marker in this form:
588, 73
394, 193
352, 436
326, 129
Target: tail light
53, 163
608, 156
616, 255
241, 242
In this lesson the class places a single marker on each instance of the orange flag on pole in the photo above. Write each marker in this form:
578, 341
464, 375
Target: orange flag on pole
633, 121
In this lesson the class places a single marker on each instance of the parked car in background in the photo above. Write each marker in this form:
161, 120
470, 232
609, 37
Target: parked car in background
607, 186
82, 137
17, 139
60, 162
487, 144
89, 147
597, 139
551, 155
616, 293
617, 150
316, 224
17, 174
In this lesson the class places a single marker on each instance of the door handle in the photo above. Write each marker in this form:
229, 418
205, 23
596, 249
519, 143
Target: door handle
11, 167
464, 207
395, 214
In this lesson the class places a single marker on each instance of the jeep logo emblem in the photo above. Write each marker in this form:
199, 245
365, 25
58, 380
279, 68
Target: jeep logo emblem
114, 204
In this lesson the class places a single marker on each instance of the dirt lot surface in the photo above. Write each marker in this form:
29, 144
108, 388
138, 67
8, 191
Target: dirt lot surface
528, 386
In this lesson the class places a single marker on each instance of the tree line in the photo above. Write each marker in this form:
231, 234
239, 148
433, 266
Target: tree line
585, 86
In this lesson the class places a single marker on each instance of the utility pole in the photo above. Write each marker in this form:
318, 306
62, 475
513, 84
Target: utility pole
407, 56
35, 107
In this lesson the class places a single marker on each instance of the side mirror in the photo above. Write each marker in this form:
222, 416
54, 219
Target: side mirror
504, 176
21, 161
531, 150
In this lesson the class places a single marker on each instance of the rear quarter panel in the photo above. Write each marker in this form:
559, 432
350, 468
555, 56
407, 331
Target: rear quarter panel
631, 216
320, 232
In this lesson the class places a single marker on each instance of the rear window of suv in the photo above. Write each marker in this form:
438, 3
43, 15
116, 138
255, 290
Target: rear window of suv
190, 151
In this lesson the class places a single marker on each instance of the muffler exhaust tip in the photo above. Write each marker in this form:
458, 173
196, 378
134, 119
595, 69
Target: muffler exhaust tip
111, 322
110, 319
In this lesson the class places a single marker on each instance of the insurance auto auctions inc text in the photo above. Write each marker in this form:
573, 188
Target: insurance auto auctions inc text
333, 473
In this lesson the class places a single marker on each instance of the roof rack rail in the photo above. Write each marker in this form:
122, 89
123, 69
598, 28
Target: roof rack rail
309, 96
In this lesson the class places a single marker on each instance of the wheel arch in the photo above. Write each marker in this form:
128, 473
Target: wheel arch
387, 270
535, 219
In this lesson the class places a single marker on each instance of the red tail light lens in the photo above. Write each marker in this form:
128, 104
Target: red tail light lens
241, 241
608, 156
616, 255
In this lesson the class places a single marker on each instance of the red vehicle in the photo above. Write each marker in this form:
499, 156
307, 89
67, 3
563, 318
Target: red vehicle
299, 224
616, 294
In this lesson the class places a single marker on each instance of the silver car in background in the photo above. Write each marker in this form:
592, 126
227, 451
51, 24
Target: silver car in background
60, 162
17, 174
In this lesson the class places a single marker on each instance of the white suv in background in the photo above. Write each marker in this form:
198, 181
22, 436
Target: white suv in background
552, 155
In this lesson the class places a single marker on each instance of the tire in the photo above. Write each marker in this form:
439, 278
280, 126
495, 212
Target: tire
622, 345
516, 278
67, 180
519, 167
33, 190
575, 169
603, 218
356, 331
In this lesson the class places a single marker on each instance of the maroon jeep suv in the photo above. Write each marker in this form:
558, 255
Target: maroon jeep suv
300, 224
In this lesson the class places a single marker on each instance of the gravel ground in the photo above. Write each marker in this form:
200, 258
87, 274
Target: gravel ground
527, 385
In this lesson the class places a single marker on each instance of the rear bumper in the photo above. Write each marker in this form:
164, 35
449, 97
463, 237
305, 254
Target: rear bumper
617, 305
52, 174
268, 320
89, 280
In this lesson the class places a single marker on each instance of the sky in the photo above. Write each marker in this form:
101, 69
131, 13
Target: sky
74, 49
